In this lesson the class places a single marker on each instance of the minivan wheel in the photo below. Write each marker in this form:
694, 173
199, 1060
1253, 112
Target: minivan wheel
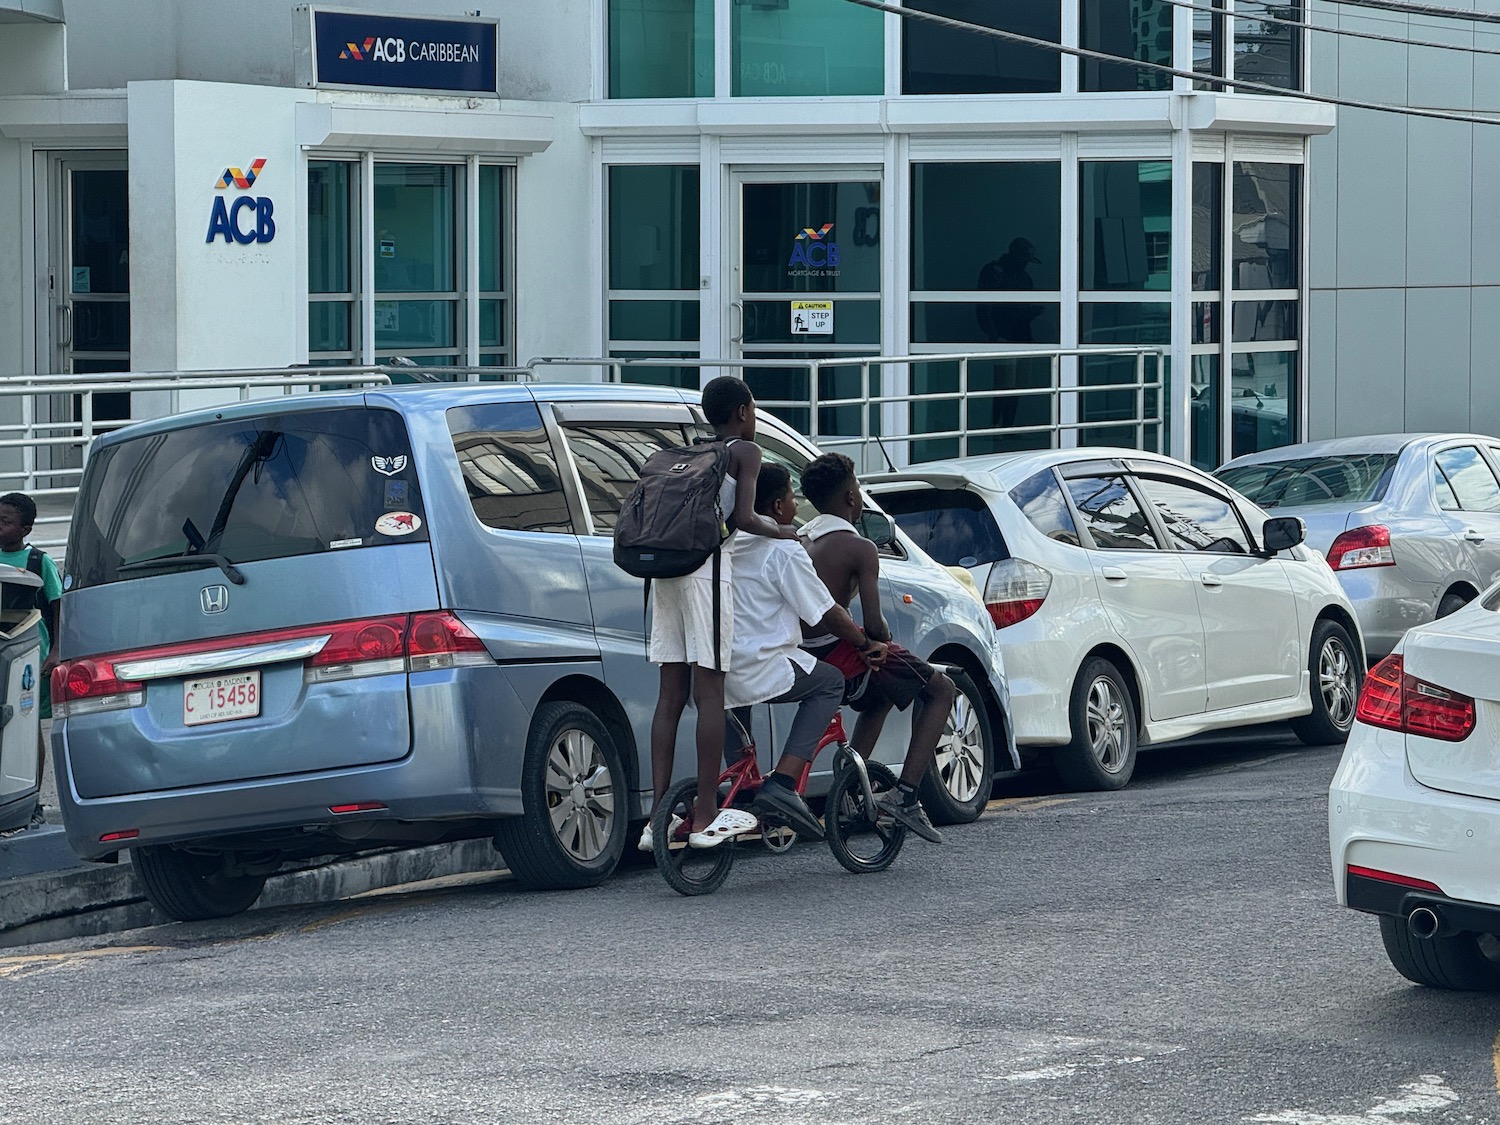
191, 887
1334, 664
1101, 715
572, 829
957, 785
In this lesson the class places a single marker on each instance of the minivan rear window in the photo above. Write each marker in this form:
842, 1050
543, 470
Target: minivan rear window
1344, 479
250, 489
952, 525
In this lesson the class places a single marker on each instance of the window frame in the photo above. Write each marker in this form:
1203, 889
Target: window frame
1087, 470
1142, 475
1484, 463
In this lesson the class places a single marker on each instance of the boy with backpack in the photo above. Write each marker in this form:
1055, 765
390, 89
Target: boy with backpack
849, 566
17, 516
692, 627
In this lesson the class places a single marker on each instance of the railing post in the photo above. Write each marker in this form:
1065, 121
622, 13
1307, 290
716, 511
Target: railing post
864, 415
1057, 400
814, 378
963, 406
1140, 401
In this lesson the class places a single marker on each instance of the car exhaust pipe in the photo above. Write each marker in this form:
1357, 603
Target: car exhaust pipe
1423, 923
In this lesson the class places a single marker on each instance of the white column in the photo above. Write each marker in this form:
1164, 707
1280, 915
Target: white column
1177, 408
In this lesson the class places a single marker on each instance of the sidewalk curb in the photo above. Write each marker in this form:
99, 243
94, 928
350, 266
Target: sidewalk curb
99, 899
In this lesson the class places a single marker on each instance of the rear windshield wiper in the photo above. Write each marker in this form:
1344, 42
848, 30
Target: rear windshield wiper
170, 562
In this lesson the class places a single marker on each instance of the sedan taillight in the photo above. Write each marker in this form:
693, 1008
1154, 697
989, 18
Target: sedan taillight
1362, 547
1015, 590
1395, 700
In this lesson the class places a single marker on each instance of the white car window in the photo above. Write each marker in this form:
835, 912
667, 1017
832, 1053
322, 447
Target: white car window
1110, 513
1196, 520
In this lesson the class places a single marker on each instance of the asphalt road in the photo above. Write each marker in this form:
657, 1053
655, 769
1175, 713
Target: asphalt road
1171, 953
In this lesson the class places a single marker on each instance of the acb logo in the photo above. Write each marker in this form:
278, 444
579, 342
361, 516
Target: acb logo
812, 247
249, 218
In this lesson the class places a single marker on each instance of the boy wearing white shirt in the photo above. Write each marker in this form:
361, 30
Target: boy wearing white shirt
776, 590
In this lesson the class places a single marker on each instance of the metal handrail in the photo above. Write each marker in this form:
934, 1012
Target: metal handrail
1063, 363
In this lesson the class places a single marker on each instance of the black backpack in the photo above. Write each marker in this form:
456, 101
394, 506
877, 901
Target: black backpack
670, 523
14, 597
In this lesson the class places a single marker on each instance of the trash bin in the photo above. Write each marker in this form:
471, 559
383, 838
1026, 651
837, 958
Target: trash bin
20, 705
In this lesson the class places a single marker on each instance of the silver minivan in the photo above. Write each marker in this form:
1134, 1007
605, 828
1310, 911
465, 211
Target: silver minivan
327, 623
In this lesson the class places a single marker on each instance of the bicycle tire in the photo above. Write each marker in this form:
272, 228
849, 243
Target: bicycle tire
858, 841
688, 871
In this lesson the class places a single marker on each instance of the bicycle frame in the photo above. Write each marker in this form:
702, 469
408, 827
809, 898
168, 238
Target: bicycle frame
744, 776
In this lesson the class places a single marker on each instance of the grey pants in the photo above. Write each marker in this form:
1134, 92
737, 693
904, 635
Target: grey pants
819, 693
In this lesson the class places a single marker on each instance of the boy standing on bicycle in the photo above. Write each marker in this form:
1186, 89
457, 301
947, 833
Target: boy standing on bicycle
776, 591
849, 566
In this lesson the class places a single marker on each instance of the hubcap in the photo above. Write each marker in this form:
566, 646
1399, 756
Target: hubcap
580, 795
1105, 715
960, 752
1336, 680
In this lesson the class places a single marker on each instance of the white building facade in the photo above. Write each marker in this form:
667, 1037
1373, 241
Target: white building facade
181, 187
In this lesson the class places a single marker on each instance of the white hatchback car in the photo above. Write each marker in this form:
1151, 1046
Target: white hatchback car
1414, 809
1139, 601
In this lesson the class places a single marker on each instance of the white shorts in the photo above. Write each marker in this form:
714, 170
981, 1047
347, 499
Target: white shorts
682, 618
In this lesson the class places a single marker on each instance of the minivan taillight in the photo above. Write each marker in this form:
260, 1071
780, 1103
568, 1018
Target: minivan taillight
82, 687
1362, 547
1392, 699
1015, 590
441, 640
371, 647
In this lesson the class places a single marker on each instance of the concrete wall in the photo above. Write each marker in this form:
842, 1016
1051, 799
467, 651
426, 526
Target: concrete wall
1404, 240
545, 47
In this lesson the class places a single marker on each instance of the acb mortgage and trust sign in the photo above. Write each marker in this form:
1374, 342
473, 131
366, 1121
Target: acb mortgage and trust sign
340, 49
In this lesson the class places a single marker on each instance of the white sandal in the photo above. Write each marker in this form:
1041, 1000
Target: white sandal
726, 826
647, 841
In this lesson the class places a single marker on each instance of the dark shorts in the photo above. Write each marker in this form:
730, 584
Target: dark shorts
896, 683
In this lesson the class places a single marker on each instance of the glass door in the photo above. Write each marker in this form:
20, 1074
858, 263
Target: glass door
806, 285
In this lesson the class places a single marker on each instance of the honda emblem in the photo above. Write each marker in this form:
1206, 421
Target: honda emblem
214, 599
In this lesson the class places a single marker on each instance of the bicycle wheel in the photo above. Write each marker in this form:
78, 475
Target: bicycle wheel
858, 841
688, 871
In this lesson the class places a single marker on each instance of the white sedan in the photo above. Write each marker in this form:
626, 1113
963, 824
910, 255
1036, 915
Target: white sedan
1138, 601
1414, 809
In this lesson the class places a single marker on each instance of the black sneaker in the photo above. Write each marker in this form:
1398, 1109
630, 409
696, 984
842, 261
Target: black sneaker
785, 802
909, 814
38, 816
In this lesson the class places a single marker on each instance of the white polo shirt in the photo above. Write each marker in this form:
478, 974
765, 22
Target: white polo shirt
776, 589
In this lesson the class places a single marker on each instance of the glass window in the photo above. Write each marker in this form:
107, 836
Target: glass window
332, 222
1470, 481
1207, 411
1267, 240
609, 460
494, 265
1141, 29
1125, 322
661, 48
1126, 231
1208, 46
653, 247
811, 237
1265, 321
509, 467
1267, 51
953, 525
1196, 520
1041, 501
944, 60
1262, 400
986, 226
806, 48
300, 483
417, 252
1208, 226
1350, 478
1110, 513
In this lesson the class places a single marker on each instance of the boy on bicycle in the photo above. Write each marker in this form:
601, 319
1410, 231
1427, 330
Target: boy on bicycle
776, 591
849, 566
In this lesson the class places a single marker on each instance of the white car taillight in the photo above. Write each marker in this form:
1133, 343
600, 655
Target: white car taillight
1362, 547
1015, 590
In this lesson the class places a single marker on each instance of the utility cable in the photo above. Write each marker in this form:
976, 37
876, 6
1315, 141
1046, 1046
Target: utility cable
1188, 5
1162, 68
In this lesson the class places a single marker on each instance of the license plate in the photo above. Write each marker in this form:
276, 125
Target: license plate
218, 699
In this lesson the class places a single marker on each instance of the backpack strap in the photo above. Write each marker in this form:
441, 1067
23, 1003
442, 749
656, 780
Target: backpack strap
718, 571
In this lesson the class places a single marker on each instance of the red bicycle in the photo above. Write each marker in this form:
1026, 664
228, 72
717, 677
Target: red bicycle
860, 840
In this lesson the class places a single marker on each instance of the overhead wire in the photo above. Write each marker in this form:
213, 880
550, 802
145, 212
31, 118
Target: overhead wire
1257, 17
1175, 72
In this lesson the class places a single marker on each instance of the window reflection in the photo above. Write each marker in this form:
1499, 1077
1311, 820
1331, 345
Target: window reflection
1208, 226
1126, 233
1470, 483
1196, 521
661, 48
1266, 242
1109, 511
807, 48
609, 460
944, 60
509, 468
1139, 29
1262, 400
1265, 51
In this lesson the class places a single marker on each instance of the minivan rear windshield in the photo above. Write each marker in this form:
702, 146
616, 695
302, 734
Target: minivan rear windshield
1355, 478
246, 490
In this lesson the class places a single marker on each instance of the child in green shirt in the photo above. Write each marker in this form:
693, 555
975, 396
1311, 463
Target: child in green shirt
17, 515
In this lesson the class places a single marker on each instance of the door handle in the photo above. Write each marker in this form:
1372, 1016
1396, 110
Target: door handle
1211, 580
64, 326
1113, 573
1473, 536
738, 337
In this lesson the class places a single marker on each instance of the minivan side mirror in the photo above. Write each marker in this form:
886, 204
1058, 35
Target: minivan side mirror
1282, 532
877, 528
